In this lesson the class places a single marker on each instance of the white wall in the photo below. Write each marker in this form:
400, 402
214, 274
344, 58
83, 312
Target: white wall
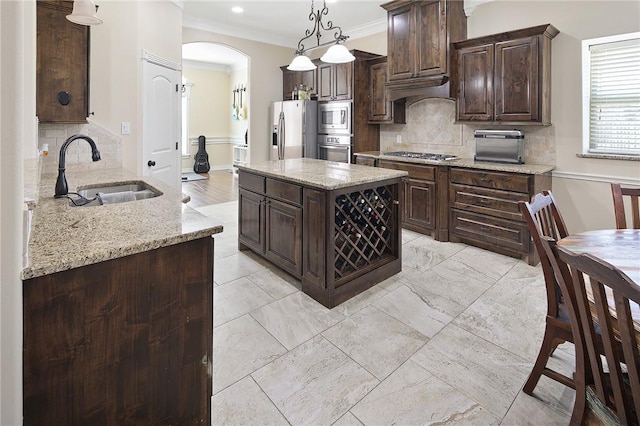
581, 185
264, 83
17, 78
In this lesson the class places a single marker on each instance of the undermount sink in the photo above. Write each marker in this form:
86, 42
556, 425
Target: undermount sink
114, 193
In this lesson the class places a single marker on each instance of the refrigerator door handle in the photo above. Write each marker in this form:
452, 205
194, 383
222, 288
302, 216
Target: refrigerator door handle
281, 136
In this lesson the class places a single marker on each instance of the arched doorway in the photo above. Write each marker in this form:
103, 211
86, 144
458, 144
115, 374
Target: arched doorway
215, 103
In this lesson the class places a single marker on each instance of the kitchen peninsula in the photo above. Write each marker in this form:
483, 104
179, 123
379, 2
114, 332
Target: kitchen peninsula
335, 226
118, 308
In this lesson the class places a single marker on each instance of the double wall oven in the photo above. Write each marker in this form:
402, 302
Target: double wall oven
334, 131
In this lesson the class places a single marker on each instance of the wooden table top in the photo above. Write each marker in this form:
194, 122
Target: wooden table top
619, 247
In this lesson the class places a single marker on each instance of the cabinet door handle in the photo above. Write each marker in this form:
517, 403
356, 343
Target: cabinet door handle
151, 163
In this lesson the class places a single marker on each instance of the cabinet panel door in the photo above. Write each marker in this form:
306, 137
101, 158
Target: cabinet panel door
283, 242
401, 42
314, 253
516, 80
431, 38
379, 108
420, 202
475, 71
62, 65
251, 221
325, 79
342, 81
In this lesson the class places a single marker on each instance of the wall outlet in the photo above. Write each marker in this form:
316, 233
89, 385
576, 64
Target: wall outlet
125, 128
398, 139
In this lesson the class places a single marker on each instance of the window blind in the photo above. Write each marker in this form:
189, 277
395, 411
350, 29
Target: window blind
614, 109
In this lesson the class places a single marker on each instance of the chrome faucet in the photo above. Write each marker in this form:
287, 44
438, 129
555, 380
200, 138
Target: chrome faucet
62, 188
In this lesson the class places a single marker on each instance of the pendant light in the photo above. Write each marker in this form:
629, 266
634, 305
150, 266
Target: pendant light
337, 54
85, 12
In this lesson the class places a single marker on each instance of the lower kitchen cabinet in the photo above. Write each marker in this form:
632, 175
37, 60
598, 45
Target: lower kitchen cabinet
485, 213
425, 197
124, 341
271, 227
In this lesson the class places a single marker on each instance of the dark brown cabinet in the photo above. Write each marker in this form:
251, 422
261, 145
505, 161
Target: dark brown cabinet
271, 220
62, 65
485, 213
124, 341
506, 78
338, 242
293, 79
425, 196
335, 81
419, 35
381, 109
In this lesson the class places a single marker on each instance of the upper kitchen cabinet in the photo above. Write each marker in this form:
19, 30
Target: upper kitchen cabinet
62, 79
381, 109
293, 79
335, 81
419, 37
506, 78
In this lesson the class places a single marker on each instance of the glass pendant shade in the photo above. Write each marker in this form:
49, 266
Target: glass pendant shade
301, 63
84, 13
337, 54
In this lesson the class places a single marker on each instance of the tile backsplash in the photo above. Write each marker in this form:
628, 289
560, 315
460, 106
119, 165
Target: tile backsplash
431, 127
78, 156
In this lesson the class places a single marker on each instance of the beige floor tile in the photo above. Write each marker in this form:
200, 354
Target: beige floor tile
424, 253
375, 340
314, 384
240, 347
491, 264
348, 420
237, 298
413, 396
361, 301
295, 319
275, 283
244, 403
236, 266
479, 369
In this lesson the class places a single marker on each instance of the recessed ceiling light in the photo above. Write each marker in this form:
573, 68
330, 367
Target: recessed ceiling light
237, 9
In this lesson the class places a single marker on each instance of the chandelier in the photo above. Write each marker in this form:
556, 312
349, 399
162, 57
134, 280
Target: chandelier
337, 54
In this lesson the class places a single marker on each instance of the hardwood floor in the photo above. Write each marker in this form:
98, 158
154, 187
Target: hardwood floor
220, 187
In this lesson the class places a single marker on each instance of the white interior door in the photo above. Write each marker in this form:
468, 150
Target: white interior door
161, 123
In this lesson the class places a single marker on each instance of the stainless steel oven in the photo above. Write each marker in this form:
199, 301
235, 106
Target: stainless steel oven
334, 148
334, 117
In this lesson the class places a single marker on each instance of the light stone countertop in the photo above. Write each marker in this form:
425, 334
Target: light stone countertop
469, 163
321, 174
65, 237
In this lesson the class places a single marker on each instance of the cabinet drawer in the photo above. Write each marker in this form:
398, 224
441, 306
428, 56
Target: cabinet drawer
366, 161
251, 182
496, 180
416, 171
493, 202
490, 231
284, 191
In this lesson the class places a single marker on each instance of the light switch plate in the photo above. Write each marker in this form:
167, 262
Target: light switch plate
125, 128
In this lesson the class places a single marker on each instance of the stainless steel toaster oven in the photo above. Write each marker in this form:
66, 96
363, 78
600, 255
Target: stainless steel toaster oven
500, 146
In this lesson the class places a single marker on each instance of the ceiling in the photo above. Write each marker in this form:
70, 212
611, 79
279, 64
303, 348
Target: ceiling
281, 23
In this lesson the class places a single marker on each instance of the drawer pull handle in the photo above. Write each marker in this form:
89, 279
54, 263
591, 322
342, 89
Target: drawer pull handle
484, 229
396, 202
484, 201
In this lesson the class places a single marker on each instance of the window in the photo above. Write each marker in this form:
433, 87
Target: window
611, 95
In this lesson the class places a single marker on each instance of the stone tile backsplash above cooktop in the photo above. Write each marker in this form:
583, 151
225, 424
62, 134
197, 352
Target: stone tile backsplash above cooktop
431, 127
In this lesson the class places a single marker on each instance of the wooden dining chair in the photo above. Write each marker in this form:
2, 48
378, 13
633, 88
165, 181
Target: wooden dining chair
619, 193
607, 392
544, 220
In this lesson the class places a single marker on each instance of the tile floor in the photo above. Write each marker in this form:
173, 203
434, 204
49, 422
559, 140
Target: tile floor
449, 340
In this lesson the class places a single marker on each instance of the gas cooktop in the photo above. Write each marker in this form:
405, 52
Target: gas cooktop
421, 155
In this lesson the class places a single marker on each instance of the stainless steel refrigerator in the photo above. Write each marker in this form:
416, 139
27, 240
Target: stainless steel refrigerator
294, 129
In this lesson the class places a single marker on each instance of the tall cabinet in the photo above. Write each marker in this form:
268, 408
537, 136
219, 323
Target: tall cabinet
506, 78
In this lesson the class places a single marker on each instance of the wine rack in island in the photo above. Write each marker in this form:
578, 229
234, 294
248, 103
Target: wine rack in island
338, 242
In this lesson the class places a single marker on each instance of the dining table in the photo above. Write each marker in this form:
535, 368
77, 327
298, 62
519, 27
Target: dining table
619, 247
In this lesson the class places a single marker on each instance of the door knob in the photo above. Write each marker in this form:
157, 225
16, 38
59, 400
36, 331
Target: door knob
151, 163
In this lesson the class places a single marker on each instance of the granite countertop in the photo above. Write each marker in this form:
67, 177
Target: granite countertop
470, 163
321, 174
65, 237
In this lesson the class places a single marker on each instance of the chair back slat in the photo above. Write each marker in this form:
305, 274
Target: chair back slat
619, 193
605, 317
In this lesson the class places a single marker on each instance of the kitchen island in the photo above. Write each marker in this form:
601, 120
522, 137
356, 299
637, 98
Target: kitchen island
334, 226
118, 308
